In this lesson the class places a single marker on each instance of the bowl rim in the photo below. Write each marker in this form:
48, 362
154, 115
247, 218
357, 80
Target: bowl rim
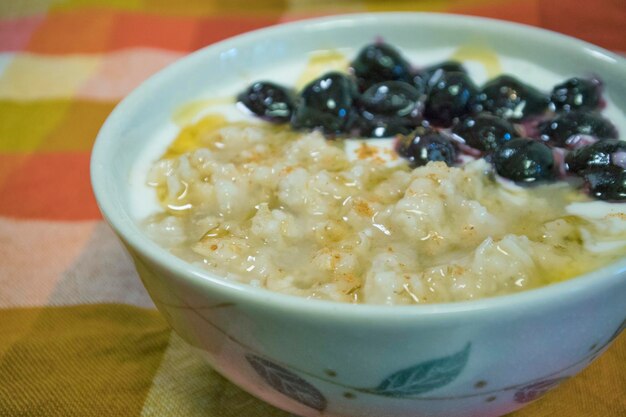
571, 289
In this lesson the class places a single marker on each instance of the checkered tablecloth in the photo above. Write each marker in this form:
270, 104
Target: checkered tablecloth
78, 334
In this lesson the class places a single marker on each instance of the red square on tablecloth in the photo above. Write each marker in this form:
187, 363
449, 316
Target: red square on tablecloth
526, 12
81, 31
15, 33
601, 23
217, 28
50, 186
145, 30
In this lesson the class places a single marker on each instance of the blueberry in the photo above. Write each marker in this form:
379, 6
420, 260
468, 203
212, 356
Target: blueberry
607, 184
270, 101
424, 145
525, 161
485, 131
558, 130
446, 66
379, 62
389, 108
326, 103
449, 98
598, 156
391, 98
425, 77
577, 94
510, 98
381, 127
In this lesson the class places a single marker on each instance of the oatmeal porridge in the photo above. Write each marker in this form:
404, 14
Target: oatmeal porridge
298, 208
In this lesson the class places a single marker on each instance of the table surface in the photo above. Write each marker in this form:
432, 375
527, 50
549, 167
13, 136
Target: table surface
78, 334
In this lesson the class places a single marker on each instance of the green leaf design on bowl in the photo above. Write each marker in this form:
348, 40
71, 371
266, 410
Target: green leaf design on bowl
423, 377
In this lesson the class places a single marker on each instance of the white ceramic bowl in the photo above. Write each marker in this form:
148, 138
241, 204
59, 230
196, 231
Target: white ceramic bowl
480, 358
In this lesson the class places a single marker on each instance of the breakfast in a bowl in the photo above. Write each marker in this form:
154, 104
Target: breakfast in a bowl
236, 180
390, 183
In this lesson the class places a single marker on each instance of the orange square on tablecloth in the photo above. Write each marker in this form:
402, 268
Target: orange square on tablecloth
132, 30
50, 186
78, 129
8, 164
80, 31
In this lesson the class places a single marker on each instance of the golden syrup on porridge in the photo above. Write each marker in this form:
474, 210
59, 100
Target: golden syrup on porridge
315, 246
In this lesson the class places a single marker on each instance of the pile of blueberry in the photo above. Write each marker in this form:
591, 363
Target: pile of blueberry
437, 113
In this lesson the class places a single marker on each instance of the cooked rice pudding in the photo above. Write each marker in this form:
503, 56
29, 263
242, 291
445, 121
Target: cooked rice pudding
349, 220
